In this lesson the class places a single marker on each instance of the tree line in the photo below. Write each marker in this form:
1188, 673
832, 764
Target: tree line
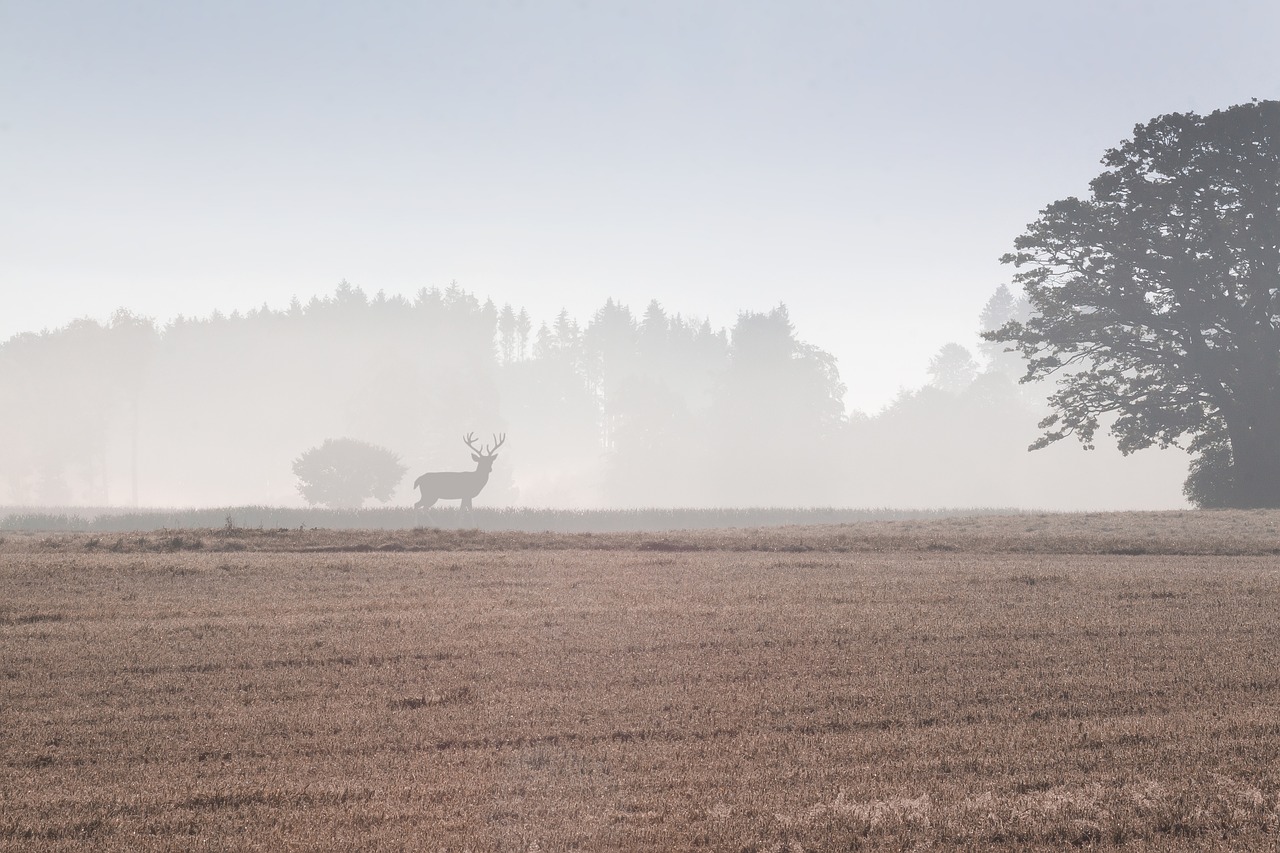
622, 409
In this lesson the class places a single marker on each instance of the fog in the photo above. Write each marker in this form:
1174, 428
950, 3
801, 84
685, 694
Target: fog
628, 407
796, 208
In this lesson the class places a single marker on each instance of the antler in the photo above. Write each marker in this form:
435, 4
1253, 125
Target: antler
469, 439
498, 441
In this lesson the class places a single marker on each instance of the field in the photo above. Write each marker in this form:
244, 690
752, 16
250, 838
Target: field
1019, 683
104, 520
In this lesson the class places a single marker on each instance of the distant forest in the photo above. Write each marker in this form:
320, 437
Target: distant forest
621, 410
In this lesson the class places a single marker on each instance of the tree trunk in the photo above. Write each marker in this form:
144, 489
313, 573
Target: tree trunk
1255, 456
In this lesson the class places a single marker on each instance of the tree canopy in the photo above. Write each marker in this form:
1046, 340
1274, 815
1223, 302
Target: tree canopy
1154, 301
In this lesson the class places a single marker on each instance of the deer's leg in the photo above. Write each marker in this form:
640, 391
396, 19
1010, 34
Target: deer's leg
466, 504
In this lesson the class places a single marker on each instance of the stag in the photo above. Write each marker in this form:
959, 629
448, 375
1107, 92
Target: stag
452, 485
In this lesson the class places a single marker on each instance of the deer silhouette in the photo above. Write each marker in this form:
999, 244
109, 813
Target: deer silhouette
464, 485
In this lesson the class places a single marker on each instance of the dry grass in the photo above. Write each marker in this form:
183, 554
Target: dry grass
1210, 532
1101, 681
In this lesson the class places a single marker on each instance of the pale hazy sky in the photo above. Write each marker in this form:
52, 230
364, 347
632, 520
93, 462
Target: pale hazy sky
865, 162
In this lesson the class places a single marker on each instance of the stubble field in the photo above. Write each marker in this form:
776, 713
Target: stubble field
1031, 682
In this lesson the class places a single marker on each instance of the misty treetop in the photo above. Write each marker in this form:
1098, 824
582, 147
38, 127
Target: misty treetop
622, 409
1156, 301
217, 407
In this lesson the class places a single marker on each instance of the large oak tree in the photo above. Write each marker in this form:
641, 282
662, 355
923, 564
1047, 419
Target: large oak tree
1156, 300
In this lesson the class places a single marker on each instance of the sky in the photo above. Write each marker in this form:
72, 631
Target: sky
866, 163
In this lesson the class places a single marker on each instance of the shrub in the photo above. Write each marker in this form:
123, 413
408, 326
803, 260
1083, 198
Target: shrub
342, 472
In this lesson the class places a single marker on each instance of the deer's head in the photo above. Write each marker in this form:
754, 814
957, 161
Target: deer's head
484, 456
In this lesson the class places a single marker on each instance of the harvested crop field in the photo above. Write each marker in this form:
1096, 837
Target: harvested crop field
1030, 682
